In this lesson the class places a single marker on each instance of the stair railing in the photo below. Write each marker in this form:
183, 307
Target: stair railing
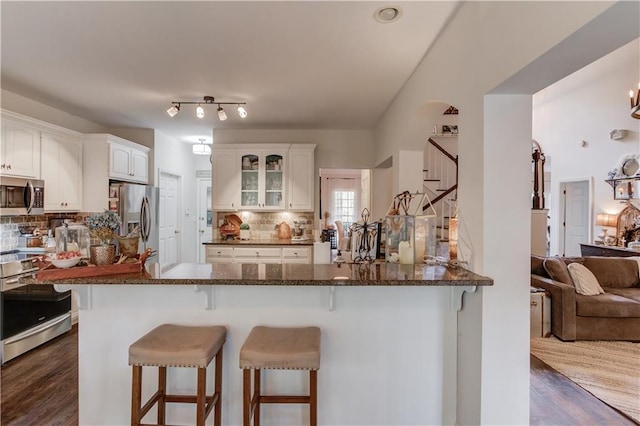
442, 171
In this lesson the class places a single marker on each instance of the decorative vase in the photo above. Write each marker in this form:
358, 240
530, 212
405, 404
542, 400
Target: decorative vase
104, 254
128, 245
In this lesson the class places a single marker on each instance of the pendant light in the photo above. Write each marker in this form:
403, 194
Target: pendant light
201, 148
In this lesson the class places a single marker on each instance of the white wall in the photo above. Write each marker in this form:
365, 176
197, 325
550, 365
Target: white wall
484, 45
175, 157
586, 106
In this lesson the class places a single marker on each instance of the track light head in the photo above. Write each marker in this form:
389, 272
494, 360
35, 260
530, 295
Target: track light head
173, 110
199, 111
242, 112
221, 114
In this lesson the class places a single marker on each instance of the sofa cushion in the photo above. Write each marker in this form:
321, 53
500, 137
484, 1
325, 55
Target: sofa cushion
616, 272
557, 270
585, 282
632, 293
537, 266
607, 305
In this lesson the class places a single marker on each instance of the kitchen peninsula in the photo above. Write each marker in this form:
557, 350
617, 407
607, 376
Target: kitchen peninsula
388, 330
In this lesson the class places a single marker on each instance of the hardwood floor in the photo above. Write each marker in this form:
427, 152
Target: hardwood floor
556, 400
41, 388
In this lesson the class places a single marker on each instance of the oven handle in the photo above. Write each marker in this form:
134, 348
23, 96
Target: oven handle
38, 329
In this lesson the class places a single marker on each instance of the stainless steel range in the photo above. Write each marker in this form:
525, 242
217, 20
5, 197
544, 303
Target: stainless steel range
30, 315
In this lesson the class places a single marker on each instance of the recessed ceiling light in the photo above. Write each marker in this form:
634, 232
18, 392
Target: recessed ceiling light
387, 14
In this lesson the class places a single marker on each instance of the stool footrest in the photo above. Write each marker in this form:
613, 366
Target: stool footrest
284, 399
150, 403
211, 399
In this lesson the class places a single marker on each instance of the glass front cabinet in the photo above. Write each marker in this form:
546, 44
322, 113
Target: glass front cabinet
262, 179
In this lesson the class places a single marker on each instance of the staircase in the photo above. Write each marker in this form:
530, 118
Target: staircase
441, 185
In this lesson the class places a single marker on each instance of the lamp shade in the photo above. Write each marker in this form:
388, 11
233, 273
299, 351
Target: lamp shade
605, 219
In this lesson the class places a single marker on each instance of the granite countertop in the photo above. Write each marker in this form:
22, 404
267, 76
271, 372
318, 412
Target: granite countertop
259, 242
377, 274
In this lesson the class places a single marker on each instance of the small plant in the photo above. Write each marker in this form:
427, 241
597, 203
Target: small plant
103, 225
244, 226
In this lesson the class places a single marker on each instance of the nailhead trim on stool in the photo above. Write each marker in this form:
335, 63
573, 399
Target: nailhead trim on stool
171, 345
279, 348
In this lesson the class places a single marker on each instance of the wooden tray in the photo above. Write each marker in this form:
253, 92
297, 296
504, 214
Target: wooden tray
53, 273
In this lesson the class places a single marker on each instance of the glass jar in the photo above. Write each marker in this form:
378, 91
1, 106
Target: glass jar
72, 237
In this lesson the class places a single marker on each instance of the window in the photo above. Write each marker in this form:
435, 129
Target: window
344, 203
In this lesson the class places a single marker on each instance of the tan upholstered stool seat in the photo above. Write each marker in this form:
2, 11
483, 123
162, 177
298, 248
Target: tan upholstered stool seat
281, 348
172, 345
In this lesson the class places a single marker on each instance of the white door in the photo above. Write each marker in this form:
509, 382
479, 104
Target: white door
205, 216
169, 250
574, 216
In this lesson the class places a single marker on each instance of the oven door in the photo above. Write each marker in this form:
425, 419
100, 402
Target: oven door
31, 315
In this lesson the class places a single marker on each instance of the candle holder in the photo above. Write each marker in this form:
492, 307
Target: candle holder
410, 234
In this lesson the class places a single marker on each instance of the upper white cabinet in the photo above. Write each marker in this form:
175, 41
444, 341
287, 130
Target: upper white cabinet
262, 178
20, 149
266, 177
301, 178
225, 179
127, 162
62, 172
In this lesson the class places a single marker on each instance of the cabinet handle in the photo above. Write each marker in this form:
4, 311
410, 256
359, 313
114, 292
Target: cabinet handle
3, 167
295, 253
290, 205
219, 252
258, 254
9, 166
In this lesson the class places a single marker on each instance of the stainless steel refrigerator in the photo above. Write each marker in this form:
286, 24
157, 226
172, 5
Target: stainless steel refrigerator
137, 206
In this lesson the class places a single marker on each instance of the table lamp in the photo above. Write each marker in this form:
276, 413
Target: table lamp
606, 220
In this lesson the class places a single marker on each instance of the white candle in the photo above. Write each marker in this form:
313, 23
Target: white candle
406, 252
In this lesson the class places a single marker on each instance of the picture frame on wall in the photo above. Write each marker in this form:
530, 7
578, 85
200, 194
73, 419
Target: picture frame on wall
446, 129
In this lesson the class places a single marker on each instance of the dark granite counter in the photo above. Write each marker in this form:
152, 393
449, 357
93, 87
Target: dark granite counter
377, 274
259, 242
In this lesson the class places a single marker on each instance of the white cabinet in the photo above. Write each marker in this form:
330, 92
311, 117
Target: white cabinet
267, 177
225, 179
301, 178
62, 172
262, 178
127, 162
19, 150
296, 255
258, 254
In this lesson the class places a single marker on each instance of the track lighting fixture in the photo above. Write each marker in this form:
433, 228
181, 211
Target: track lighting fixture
221, 114
208, 100
173, 110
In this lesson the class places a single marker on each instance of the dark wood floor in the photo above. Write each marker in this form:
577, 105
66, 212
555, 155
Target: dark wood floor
41, 388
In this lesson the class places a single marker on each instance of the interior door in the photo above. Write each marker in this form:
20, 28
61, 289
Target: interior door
574, 214
169, 244
205, 216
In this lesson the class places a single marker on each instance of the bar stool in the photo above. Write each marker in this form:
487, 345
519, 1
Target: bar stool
279, 349
171, 345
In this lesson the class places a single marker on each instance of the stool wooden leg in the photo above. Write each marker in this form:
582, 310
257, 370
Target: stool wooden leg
256, 391
246, 397
201, 396
136, 395
313, 397
218, 390
162, 388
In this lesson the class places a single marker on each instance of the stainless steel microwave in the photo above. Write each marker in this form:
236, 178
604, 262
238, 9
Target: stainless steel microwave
21, 196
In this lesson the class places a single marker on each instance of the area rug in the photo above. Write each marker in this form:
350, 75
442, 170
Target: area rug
608, 370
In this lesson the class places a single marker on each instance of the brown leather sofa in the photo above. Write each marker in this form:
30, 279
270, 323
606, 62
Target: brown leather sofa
614, 315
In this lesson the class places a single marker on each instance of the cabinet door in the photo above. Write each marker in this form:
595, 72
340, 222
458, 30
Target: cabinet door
20, 151
301, 179
217, 254
274, 180
139, 166
251, 180
296, 255
62, 172
119, 162
224, 180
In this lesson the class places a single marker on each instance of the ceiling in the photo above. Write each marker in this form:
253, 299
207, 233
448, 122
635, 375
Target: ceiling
297, 64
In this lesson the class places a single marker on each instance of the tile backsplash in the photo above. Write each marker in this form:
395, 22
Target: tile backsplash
262, 224
42, 221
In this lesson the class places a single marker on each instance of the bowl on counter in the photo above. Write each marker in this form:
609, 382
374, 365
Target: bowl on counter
63, 260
